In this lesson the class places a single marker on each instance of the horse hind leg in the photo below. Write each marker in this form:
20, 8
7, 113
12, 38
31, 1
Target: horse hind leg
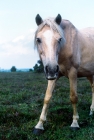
39, 127
91, 80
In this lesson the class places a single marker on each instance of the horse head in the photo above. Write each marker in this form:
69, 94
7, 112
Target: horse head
49, 39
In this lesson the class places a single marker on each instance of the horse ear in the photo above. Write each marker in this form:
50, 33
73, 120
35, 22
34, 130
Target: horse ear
38, 19
58, 19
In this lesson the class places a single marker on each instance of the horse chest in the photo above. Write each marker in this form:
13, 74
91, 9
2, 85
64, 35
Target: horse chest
64, 69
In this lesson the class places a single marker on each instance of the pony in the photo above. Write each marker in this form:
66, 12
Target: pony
64, 51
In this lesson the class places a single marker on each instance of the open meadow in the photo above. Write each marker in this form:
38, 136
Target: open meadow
21, 100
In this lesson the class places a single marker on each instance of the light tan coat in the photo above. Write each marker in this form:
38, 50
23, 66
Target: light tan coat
74, 55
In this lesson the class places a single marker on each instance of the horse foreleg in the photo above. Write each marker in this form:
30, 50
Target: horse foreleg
91, 79
73, 96
39, 127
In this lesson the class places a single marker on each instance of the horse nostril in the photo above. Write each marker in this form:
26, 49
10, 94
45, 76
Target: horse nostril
57, 68
46, 68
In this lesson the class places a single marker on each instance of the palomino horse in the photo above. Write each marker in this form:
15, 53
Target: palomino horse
64, 51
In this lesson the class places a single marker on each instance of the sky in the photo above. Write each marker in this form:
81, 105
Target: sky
17, 26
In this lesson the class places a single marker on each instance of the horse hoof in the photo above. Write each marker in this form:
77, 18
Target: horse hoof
37, 131
75, 128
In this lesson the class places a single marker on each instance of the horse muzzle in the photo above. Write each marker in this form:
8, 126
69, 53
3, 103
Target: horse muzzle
51, 72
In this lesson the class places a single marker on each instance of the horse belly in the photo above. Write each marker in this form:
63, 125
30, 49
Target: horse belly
86, 69
86, 66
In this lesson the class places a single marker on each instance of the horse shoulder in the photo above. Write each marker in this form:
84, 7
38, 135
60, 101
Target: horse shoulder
70, 52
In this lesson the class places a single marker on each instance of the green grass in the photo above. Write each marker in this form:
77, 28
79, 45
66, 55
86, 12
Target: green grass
21, 101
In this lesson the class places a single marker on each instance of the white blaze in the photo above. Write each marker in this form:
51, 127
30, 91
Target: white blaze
48, 35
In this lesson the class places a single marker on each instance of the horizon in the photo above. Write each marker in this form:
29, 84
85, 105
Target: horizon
17, 70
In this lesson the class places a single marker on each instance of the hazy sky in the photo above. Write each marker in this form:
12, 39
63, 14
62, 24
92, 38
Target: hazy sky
17, 26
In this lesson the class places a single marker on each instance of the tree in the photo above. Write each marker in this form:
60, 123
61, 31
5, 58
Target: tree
38, 67
13, 69
30, 70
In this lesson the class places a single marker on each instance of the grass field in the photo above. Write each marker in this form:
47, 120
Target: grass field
21, 100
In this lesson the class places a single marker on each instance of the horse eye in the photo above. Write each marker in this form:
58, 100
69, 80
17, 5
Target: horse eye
59, 40
38, 40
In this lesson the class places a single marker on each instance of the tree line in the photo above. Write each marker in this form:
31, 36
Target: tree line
38, 68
